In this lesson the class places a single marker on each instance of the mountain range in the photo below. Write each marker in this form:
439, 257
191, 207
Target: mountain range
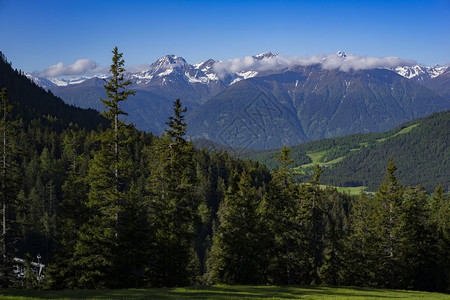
267, 101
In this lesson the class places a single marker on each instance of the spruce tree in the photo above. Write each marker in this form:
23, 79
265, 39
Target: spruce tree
312, 211
236, 255
8, 186
386, 220
416, 253
440, 228
286, 244
63, 271
360, 255
173, 206
109, 180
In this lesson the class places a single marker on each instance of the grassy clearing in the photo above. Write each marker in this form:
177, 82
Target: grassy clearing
317, 158
403, 131
352, 190
226, 292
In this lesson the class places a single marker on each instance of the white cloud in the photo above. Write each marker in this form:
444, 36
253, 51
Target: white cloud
80, 67
356, 62
332, 61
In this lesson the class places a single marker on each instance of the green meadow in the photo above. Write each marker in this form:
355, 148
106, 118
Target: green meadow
226, 292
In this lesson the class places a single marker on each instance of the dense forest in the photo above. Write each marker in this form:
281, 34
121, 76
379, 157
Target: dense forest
113, 207
420, 149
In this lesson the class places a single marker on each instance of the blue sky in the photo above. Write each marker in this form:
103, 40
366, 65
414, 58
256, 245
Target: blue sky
37, 34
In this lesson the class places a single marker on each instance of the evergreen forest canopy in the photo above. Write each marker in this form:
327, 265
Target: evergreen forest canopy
114, 207
420, 148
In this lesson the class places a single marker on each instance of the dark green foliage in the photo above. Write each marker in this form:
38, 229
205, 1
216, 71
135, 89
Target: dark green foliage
173, 206
421, 154
32, 102
236, 255
422, 157
440, 227
9, 173
286, 239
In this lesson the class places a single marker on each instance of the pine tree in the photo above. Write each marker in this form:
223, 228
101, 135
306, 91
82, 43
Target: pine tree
387, 201
312, 211
335, 229
63, 271
416, 255
109, 178
280, 210
236, 251
360, 254
173, 206
8, 186
440, 227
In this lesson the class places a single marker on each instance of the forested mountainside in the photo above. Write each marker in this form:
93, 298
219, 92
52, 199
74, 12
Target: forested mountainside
420, 149
32, 102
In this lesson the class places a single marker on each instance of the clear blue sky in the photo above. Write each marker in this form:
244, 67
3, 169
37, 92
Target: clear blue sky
36, 34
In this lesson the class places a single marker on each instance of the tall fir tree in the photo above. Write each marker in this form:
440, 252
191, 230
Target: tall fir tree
360, 254
173, 204
386, 221
286, 244
416, 253
109, 180
440, 227
8, 186
312, 213
236, 255
73, 214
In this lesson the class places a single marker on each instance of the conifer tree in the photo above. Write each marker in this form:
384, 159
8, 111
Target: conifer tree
312, 212
173, 206
415, 253
8, 185
360, 253
63, 271
109, 179
440, 227
335, 225
237, 248
387, 209
280, 210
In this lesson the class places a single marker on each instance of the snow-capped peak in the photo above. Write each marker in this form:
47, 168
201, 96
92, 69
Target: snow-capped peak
265, 55
169, 61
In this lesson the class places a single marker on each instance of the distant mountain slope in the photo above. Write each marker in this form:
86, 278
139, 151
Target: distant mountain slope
310, 103
303, 101
146, 110
440, 84
31, 102
420, 148
243, 116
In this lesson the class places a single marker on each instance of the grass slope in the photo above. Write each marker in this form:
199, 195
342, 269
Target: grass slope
226, 292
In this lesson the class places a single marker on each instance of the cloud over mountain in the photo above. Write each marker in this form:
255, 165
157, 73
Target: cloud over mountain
356, 62
263, 62
80, 67
342, 61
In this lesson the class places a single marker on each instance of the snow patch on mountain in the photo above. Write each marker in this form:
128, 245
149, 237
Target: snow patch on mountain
419, 72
